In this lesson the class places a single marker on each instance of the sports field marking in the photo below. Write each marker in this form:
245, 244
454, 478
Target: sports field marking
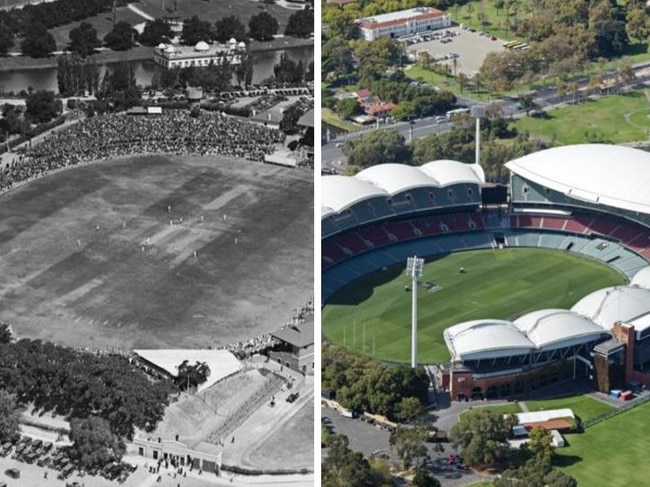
222, 200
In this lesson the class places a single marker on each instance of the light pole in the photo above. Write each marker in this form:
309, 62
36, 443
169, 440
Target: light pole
414, 267
478, 112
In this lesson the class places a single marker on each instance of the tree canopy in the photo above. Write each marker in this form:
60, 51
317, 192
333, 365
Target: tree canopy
408, 443
94, 445
37, 41
301, 23
263, 26
83, 39
230, 28
9, 417
196, 30
378, 147
6, 40
536, 472
156, 31
122, 37
191, 376
482, 435
364, 384
78, 385
343, 467
42, 106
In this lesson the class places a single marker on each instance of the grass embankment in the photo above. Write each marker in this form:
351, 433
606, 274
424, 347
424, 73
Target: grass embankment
373, 315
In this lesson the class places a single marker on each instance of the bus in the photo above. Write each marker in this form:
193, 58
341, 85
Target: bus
457, 112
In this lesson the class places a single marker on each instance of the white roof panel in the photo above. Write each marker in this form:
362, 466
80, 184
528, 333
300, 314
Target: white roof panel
341, 192
483, 339
557, 328
222, 363
395, 178
611, 304
611, 175
543, 416
448, 172
642, 278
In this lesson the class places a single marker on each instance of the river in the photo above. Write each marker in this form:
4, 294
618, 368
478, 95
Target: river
45, 79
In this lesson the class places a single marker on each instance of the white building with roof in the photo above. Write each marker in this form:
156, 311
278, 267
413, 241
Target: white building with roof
171, 56
403, 23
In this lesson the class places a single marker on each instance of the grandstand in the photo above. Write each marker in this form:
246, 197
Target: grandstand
588, 199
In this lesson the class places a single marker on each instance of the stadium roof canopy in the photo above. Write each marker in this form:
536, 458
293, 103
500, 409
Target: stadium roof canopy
341, 192
642, 278
486, 339
611, 175
551, 329
607, 306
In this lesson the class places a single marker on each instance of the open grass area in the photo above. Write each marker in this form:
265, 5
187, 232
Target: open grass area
601, 120
90, 257
612, 453
583, 406
510, 408
448, 83
372, 315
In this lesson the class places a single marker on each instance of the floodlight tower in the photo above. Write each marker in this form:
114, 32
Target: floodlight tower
478, 112
414, 267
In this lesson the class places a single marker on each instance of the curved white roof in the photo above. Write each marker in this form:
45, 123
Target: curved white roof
232, 41
486, 339
340, 192
325, 211
448, 172
612, 175
201, 46
606, 306
161, 45
395, 178
242, 44
170, 49
642, 278
549, 329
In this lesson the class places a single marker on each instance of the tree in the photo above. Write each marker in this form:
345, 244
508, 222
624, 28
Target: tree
408, 408
611, 37
423, 478
337, 57
637, 23
119, 88
191, 376
409, 444
122, 37
378, 147
528, 103
540, 443
37, 42
6, 336
301, 23
230, 28
483, 437
42, 106
196, 30
262, 27
536, 472
344, 468
347, 107
9, 417
83, 39
155, 32
6, 40
94, 445
288, 71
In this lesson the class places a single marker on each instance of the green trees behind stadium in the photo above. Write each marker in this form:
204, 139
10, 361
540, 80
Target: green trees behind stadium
365, 384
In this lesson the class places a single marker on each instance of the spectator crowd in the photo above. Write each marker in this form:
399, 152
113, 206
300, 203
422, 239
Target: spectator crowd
114, 135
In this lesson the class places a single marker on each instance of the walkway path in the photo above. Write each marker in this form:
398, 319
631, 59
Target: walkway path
141, 13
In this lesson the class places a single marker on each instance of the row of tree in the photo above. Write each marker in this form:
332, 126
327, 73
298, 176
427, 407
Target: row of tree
77, 384
365, 384
500, 143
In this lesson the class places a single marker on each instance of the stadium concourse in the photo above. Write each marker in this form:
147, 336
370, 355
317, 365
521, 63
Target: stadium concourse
588, 199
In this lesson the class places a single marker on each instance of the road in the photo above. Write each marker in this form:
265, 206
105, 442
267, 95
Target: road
545, 98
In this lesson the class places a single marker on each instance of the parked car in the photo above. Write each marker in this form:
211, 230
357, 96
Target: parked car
14, 473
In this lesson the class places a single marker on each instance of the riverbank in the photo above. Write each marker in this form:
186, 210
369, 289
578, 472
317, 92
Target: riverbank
140, 53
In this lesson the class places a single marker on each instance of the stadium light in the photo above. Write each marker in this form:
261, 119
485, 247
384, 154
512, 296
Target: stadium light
414, 266
478, 112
